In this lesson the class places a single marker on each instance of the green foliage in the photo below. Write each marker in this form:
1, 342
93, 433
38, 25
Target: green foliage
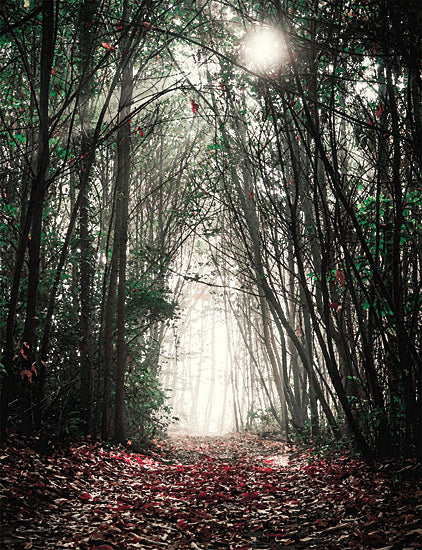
335, 86
377, 219
147, 412
326, 448
146, 299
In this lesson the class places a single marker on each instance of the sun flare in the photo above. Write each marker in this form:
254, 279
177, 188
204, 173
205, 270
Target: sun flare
264, 49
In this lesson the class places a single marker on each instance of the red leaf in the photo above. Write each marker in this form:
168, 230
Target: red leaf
381, 109
85, 496
23, 355
182, 524
339, 277
107, 46
122, 507
194, 106
27, 373
250, 495
334, 305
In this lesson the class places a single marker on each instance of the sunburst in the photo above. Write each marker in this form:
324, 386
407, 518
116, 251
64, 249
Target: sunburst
264, 49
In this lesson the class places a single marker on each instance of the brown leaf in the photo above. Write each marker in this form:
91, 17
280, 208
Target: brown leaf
376, 538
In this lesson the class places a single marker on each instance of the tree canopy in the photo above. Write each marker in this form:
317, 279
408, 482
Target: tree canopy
270, 151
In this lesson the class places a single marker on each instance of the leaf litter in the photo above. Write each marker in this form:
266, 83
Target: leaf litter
235, 492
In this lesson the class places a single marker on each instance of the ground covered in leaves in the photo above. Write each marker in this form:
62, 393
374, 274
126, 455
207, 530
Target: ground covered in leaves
205, 493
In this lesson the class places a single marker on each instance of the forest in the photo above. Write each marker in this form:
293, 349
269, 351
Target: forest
211, 221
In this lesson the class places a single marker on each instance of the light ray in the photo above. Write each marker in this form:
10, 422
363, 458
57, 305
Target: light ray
264, 49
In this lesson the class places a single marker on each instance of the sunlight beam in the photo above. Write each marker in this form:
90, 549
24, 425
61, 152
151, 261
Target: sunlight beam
264, 49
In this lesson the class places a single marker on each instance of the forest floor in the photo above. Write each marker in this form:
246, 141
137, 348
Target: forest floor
234, 492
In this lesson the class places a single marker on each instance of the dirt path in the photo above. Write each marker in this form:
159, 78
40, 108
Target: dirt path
205, 493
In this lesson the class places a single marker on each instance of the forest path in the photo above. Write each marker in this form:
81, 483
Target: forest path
234, 492
232, 448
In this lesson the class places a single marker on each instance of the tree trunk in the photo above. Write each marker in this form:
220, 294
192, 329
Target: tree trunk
122, 186
86, 41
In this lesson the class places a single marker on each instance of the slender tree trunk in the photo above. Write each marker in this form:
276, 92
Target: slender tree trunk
86, 41
210, 401
123, 177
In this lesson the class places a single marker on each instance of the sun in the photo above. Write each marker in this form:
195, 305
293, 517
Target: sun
264, 49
